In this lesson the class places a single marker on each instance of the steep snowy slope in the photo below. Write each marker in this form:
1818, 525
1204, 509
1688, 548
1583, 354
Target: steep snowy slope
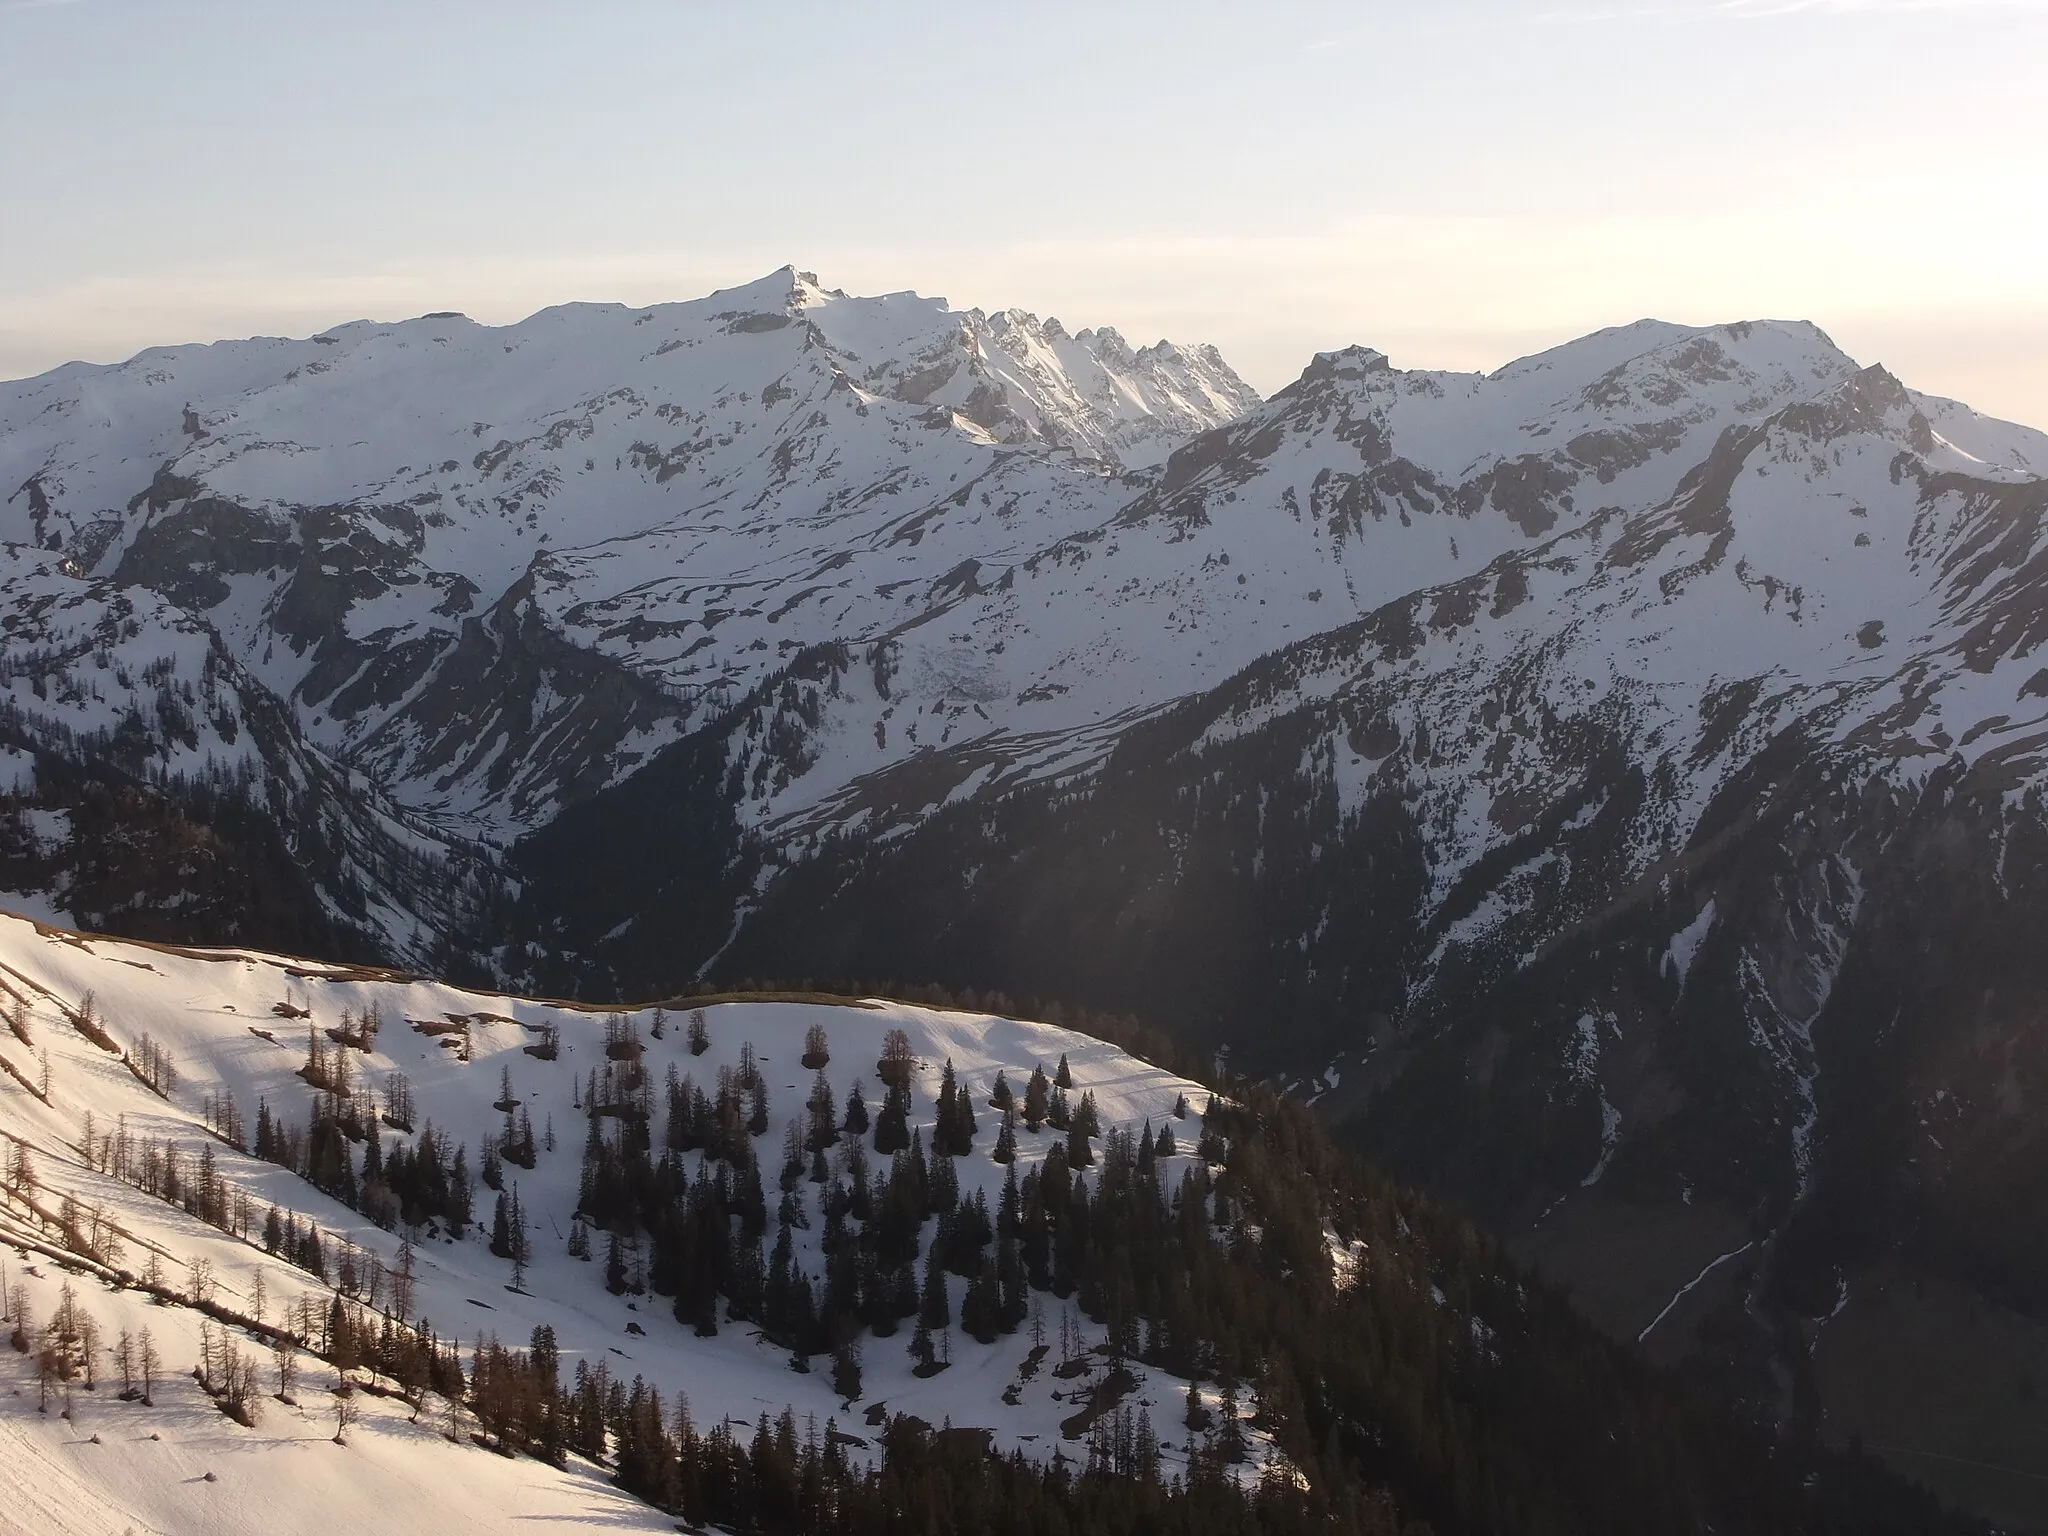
1356, 485
492, 566
499, 571
180, 1467
231, 1024
154, 786
1840, 576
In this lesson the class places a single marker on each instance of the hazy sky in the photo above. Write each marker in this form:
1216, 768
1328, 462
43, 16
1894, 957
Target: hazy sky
1456, 181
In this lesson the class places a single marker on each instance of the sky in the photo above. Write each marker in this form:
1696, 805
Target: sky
1457, 183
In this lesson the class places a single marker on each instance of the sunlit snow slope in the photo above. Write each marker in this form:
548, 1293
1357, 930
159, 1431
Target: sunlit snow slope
215, 1015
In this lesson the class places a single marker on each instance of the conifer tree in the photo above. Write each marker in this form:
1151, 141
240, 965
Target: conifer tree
846, 1370
855, 1123
521, 1244
1088, 1116
943, 1133
933, 1309
824, 1130
1079, 1153
892, 1125
981, 1307
1059, 1115
964, 1127
1037, 1093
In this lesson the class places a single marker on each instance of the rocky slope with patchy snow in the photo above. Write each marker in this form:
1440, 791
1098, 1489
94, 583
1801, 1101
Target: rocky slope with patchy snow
1685, 859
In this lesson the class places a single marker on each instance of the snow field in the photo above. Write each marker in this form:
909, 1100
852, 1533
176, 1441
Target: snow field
212, 1013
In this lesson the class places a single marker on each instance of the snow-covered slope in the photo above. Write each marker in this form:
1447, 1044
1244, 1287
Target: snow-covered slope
498, 570
170, 794
235, 1025
498, 567
1355, 486
180, 1467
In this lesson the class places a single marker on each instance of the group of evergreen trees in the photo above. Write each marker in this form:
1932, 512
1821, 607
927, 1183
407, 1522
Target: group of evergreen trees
1442, 1389
1439, 1387
787, 1478
701, 1235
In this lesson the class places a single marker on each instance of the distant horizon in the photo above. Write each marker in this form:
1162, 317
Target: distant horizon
1267, 386
1456, 185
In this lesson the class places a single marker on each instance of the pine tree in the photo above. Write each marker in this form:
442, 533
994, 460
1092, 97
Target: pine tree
521, 1244
964, 1127
1037, 1094
700, 1033
1079, 1153
933, 1309
892, 1125
1229, 1440
981, 1307
824, 1114
1006, 1139
846, 1370
817, 1048
1064, 1077
946, 1122
1059, 1115
855, 1123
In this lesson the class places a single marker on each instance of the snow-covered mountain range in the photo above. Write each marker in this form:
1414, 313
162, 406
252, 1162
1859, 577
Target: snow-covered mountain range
1602, 781
500, 567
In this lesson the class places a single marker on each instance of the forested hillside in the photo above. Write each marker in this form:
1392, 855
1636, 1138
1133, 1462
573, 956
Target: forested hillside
797, 1264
